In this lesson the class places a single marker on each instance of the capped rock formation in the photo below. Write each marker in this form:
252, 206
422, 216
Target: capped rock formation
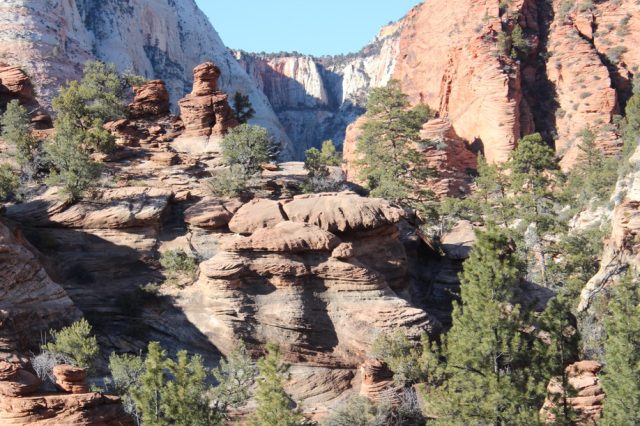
205, 111
16, 85
322, 280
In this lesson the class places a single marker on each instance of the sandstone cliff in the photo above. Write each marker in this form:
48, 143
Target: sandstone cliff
162, 39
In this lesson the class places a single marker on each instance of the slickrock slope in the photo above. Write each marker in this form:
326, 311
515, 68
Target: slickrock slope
30, 302
317, 98
161, 39
317, 278
587, 399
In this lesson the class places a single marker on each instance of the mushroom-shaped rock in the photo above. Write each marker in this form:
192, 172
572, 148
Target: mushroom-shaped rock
71, 379
256, 214
289, 237
342, 212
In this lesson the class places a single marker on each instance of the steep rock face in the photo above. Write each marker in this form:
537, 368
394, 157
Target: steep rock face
317, 98
448, 60
584, 88
30, 302
587, 398
311, 281
205, 112
161, 39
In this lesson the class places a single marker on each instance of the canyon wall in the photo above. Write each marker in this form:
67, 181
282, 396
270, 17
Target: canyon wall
165, 39
317, 98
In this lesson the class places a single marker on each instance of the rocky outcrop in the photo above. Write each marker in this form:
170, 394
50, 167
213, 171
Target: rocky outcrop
30, 302
158, 40
318, 280
22, 404
205, 112
151, 99
377, 380
16, 85
585, 399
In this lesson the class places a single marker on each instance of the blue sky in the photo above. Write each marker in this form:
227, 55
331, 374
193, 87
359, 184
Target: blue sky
307, 26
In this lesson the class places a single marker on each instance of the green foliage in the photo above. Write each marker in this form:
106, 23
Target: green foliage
489, 376
184, 400
593, 177
390, 162
16, 129
75, 342
242, 108
161, 391
317, 164
358, 411
229, 182
9, 182
631, 125
249, 147
411, 363
126, 372
274, 405
235, 376
72, 164
519, 44
81, 109
621, 379
178, 265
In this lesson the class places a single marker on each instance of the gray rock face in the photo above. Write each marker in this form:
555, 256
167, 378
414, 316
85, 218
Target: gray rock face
158, 39
317, 98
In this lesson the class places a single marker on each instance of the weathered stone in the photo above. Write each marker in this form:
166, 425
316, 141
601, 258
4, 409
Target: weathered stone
151, 100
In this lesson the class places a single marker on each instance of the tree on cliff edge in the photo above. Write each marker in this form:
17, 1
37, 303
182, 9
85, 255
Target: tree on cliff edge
390, 162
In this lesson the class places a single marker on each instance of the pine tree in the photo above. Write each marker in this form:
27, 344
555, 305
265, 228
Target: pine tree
148, 396
621, 378
235, 376
16, 129
242, 108
184, 398
489, 379
249, 147
274, 405
390, 161
75, 342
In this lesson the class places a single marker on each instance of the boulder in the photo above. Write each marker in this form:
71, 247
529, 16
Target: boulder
288, 237
151, 100
256, 214
71, 379
211, 213
15, 381
16, 85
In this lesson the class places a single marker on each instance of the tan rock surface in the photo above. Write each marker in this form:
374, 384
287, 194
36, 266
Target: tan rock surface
588, 397
71, 379
151, 100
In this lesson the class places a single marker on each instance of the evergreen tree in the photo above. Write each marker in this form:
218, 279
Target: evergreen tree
489, 379
621, 378
390, 161
249, 147
8, 182
75, 342
148, 396
242, 108
235, 375
16, 129
274, 405
184, 397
